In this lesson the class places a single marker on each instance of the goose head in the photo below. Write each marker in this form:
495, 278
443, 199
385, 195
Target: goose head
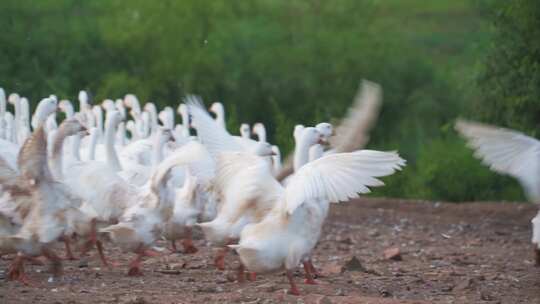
297, 133
150, 107
262, 149
66, 107
311, 136
218, 109
182, 110
108, 105
114, 118
120, 107
130, 126
325, 129
45, 107
14, 99
245, 131
73, 126
131, 101
98, 113
84, 102
166, 116
260, 131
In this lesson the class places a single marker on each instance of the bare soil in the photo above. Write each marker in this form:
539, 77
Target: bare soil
448, 253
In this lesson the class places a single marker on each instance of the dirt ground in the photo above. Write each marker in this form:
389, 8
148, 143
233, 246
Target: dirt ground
450, 253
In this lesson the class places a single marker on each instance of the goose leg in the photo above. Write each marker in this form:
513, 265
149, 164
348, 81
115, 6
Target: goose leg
219, 260
294, 289
252, 276
188, 242
241, 276
93, 241
536, 255
135, 265
99, 247
173, 246
69, 253
16, 271
309, 274
56, 262
313, 271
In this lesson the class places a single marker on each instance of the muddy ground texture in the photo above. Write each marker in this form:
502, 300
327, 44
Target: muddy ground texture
372, 251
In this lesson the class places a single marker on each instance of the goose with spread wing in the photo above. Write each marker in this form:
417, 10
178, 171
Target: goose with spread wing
288, 234
509, 152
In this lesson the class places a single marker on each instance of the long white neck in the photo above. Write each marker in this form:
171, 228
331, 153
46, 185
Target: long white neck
316, 152
121, 134
301, 154
68, 110
157, 148
112, 157
76, 146
3, 122
93, 143
51, 135
98, 113
57, 153
17, 121
185, 118
220, 118
153, 120
276, 159
10, 130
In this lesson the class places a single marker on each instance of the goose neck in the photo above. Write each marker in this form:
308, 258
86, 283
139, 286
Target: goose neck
112, 157
301, 154
57, 153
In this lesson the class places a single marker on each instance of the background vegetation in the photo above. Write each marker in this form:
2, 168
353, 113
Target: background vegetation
285, 62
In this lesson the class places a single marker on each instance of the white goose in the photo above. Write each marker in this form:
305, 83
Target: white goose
288, 234
53, 212
98, 183
144, 222
187, 208
509, 152
245, 131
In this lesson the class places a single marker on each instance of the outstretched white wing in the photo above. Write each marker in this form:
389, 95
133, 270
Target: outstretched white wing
506, 151
211, 134
340, 177
245, 178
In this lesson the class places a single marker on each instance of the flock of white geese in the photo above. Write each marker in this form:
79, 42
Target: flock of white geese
120, 173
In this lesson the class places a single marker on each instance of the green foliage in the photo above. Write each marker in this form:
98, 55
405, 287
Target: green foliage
510, 78
288, 62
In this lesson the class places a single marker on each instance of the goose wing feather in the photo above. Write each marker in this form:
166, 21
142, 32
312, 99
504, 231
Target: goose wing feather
506, 151
340, 177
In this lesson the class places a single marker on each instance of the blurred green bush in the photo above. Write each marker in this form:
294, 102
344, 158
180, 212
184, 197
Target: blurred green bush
288, 62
